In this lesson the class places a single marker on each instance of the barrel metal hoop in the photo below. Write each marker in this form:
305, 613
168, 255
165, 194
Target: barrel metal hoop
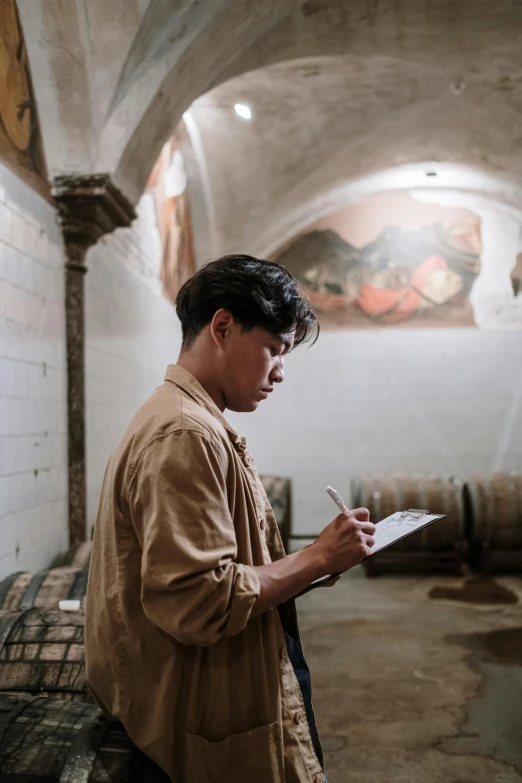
489, 488
459, 500
84, 748
518, 506
476, 526
32, 589
398, 495
6, 585
377, 495
79, 586
421, 489
517, 532
9, 718
8, 623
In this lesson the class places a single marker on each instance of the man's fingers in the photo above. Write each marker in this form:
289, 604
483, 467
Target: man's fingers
367, 527
361, 514
370, 541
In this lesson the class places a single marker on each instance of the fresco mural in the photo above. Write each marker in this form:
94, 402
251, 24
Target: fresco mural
168, 183
410, 275
20, 141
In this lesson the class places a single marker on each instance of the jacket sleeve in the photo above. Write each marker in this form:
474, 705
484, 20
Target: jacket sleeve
191, 585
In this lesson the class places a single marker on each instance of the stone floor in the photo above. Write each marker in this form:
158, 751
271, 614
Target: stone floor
412, 689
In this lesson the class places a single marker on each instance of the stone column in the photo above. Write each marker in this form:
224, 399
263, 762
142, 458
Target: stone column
88, 207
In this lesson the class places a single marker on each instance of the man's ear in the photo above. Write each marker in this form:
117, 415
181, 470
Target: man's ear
220, 326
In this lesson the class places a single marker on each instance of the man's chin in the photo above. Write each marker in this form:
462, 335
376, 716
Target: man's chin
243, 407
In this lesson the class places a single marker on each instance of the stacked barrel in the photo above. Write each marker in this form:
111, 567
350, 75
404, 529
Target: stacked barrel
436, 548
494, 509
64, 742
44, 589
78, 556
279, 493
48, 729
482, 527
41, 647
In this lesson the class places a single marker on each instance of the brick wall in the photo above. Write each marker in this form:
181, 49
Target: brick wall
447, 402
132, 333
33, 446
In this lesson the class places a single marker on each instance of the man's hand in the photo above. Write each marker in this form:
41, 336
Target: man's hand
346, 540
341, 545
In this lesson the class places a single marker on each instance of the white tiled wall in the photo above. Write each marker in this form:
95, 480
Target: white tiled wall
33, 444
441, 401
132, 333
447, 402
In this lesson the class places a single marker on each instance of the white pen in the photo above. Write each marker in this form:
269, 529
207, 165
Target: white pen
337, 499
339, 502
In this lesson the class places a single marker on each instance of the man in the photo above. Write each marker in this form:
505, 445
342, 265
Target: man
191, 633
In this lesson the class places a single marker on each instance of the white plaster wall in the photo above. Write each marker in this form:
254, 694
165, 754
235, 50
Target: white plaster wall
132, 333
33, 441
447, 402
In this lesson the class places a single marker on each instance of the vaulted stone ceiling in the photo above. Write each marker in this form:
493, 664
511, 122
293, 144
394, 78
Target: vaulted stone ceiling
339, 91
322, 124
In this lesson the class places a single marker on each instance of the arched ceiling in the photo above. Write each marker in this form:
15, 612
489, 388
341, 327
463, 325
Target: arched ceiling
323, 125
113, 77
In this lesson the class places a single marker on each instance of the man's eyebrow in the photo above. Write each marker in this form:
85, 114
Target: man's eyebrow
286, 341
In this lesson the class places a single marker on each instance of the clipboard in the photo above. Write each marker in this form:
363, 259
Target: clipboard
397, 526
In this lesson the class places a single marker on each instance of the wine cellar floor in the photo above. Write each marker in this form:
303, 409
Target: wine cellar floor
410, 689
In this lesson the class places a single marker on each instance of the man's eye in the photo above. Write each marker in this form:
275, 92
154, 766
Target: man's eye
274, 352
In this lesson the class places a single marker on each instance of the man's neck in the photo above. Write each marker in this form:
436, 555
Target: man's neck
199, 368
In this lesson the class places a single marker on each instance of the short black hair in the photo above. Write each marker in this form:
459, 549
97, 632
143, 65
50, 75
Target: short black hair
255, 292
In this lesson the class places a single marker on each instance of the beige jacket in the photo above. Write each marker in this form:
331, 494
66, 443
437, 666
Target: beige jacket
206, 691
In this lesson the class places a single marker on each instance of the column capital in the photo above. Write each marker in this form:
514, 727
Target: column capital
89, 206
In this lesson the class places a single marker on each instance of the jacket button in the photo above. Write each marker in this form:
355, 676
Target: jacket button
262, 524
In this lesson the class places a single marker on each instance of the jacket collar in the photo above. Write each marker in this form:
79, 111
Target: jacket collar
186, 381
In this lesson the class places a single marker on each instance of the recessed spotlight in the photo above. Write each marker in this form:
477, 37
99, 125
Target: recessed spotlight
243, 111
431, 173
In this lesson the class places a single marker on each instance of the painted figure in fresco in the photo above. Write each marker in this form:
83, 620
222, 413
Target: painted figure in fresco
15, 103
404, 273
167, 183
20, 143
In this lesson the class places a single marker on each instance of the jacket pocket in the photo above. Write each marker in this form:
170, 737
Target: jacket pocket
254, 756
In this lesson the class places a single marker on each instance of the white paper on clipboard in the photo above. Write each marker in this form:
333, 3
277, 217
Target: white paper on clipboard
400, 525
390, 530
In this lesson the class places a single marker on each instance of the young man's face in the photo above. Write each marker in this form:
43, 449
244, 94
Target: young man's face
253, 365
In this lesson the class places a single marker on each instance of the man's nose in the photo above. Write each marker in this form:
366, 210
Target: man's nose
278, 374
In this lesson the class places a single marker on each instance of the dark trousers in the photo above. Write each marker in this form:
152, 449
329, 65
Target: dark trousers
302, 674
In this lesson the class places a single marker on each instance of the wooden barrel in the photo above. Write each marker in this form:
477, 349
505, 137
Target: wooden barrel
384, 495
494, 505
42, 652
43, 589
49, 741
78, 556
279, 493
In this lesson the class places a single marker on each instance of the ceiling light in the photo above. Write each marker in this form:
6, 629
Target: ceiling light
243, 111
